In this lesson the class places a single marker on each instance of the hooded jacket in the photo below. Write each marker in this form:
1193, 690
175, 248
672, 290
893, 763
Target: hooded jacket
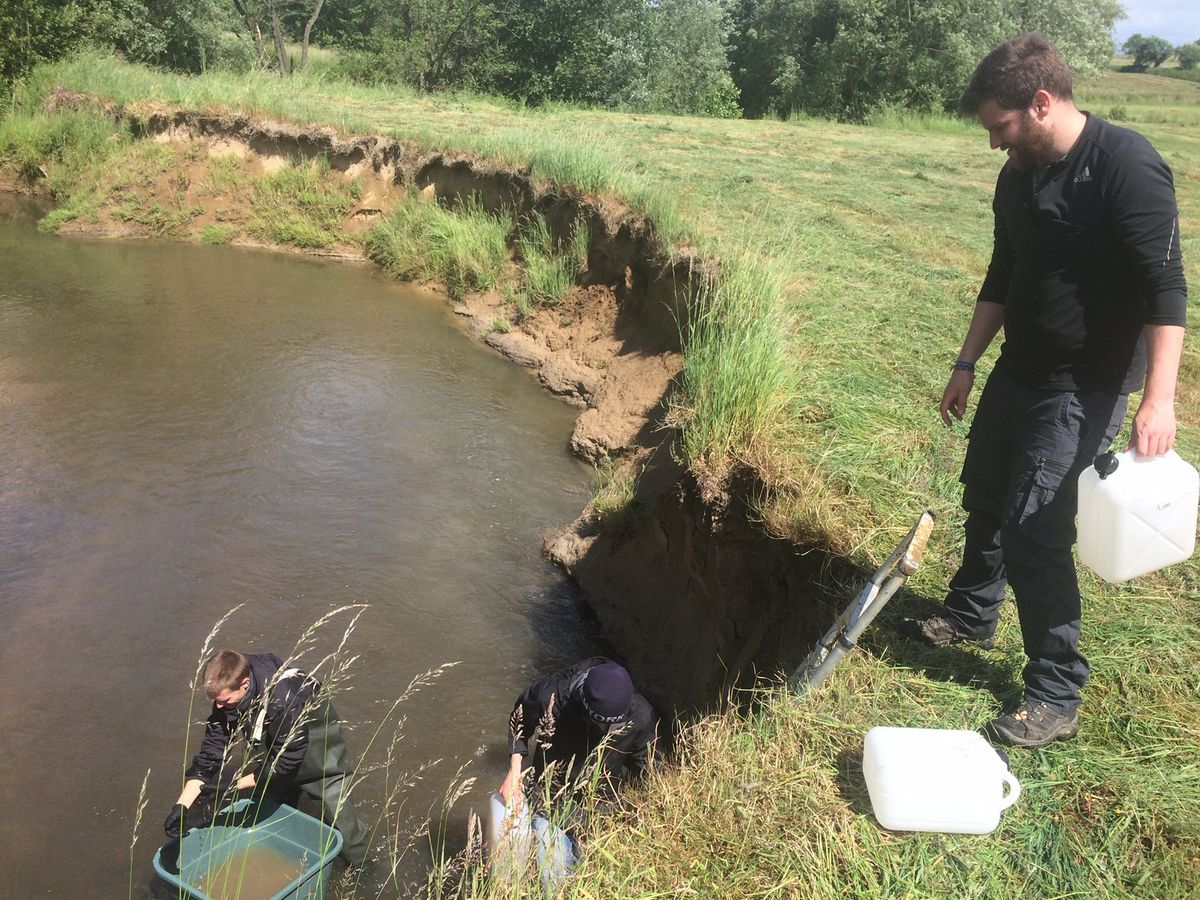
554, 708
290, 700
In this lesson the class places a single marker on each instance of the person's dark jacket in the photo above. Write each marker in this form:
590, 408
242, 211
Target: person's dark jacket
554, 708
1086, 253
290, 705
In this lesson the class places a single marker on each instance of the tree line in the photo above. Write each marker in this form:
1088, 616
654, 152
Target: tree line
847, 59
1150, 51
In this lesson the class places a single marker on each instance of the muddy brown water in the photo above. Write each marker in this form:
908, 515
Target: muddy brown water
256, 873
185, 428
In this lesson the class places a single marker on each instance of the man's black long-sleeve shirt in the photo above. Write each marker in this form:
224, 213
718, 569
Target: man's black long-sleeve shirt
1086, 253
553, 706
290, 707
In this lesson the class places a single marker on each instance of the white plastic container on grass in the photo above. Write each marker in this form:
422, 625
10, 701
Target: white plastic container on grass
934, 779
1136, 515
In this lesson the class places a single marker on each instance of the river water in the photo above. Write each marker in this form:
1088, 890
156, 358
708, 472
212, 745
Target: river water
187, 428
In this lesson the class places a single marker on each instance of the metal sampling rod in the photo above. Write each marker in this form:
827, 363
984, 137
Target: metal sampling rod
843, 635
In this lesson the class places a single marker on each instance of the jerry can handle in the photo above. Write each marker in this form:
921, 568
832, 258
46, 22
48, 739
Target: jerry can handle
1014, 790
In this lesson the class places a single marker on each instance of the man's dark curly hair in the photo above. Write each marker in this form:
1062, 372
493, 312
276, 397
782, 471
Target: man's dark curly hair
1013, 72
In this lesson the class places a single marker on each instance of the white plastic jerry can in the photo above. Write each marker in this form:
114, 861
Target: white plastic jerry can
934, 779
1136, 515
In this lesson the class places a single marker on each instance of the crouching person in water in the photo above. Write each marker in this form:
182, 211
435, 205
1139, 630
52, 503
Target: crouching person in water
294, 744
589, 707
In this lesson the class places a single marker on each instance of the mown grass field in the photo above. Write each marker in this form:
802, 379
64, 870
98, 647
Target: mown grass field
858, 250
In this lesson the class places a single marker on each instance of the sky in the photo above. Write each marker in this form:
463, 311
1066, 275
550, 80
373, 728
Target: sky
1176, 20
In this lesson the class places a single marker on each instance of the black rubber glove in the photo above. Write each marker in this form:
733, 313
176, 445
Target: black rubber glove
174, 821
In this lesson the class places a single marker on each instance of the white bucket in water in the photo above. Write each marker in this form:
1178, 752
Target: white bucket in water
1138, 515
931, 779
511, 836
507, 831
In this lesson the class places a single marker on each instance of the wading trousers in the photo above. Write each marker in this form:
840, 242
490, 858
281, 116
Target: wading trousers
323, 777
1026, 450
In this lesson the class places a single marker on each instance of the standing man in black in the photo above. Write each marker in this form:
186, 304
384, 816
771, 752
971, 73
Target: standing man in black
1087, 282
588, 709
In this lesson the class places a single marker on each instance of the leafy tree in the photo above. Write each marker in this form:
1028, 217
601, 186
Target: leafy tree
1148, 51
520, 48
279, 21
32, 31
676, 61
1188, 55
767, 43
1081, 29
851, 58
431, 44
559, 49
178, 34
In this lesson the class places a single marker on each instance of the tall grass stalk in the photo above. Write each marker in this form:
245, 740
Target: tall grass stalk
397, 780
207, 648
740, 381
143, 799
514, 868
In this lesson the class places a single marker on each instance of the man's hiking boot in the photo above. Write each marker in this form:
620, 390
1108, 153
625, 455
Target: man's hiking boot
942, 631
1034, 725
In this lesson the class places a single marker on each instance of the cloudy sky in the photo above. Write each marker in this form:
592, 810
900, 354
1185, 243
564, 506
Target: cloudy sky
1176, 20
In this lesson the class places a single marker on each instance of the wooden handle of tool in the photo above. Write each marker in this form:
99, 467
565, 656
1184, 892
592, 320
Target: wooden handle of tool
916, 549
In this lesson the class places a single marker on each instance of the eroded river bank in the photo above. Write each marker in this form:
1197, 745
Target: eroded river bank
687, 589
187, 428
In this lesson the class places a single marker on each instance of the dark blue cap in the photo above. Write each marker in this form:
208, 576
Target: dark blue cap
607, 693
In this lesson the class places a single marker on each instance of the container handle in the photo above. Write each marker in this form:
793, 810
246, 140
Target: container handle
1014, 790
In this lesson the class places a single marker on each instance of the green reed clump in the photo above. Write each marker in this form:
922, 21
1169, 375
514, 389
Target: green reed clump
58, 145
469, 248
302, 205
615, 496
739, 379
399, 241
466, 248
164, 221
218, 233
550, 267
226, 177
120, 169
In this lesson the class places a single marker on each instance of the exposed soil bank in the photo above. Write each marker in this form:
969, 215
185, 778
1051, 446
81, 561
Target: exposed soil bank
695, 596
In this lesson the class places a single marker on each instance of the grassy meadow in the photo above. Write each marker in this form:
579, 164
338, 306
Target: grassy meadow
851, 255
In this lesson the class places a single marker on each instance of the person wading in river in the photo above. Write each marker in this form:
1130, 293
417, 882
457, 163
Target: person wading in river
1087, 282
294, 745
588, 709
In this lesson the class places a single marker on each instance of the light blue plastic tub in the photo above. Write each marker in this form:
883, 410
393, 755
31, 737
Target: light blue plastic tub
253, 852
